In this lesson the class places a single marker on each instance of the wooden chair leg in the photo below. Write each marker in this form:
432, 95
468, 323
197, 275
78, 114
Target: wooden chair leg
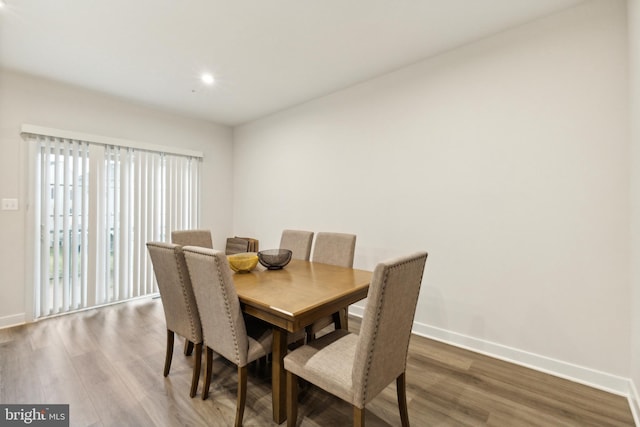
195, 378
207, 374
401, 386
188, 347
292, 399
242, 394
169, 355
358, 417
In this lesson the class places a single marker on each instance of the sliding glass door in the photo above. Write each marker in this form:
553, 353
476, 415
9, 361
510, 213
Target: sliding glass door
96, 206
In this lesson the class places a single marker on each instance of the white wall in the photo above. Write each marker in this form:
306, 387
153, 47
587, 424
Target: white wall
31, 100
506, 159
634, 71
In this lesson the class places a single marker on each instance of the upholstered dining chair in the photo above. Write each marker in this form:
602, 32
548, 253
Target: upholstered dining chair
225, 330
336, 249
192, 238
298, 242
356, 368
180, 309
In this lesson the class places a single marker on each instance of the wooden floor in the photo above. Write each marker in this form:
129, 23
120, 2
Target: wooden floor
107, 364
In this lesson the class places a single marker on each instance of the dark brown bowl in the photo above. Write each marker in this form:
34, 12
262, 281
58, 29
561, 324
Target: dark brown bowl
274, 259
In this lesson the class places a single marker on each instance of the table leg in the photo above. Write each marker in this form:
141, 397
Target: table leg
278, 377
341, 319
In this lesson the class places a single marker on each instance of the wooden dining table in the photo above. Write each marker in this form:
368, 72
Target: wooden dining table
291, 299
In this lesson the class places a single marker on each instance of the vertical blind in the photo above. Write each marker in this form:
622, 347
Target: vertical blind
96, 206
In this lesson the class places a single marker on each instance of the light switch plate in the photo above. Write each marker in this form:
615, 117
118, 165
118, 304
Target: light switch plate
9, 204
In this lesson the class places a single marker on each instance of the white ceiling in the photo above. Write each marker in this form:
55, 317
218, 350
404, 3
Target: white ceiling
266, 55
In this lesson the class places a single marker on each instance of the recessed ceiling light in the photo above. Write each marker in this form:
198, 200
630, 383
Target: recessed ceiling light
3, 4
206, 77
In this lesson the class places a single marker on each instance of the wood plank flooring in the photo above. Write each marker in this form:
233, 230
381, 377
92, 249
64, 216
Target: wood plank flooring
107, 364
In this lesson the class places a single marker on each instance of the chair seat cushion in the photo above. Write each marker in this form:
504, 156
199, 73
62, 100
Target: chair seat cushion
327, 362
260, 338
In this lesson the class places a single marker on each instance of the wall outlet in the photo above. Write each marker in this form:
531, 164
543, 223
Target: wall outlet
9, 204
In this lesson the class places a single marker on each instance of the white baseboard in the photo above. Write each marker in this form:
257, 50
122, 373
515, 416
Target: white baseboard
580, 374
13, 320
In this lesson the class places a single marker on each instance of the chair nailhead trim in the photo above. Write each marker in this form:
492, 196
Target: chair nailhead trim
228, 311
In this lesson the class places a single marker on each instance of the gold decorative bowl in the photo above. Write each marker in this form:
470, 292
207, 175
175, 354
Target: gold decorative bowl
243, 262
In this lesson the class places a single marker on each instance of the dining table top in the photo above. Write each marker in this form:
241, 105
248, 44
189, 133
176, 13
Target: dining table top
300, 293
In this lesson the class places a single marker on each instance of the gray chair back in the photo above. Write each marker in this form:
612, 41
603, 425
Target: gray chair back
334, 248
381, 352
298, 242
176, 291
200, 238
222, 321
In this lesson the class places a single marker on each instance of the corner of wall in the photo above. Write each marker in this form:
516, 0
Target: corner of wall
634, 402
633, 17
